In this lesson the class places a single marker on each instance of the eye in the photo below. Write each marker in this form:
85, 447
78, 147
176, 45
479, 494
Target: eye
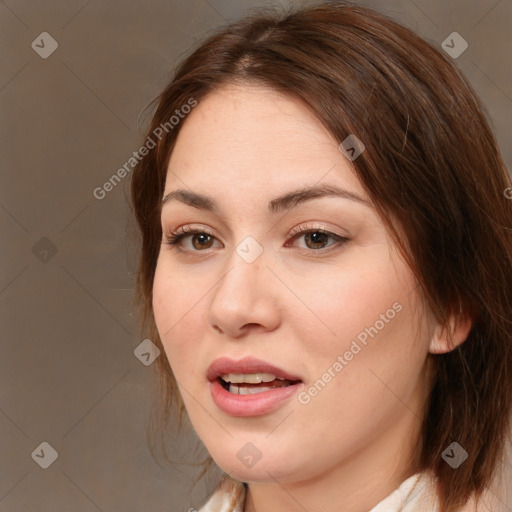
200, 238
316, 239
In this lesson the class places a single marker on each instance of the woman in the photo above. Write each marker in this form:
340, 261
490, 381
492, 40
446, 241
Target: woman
327, 265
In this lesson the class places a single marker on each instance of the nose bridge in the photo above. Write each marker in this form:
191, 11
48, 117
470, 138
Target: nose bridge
244, 294
245, 267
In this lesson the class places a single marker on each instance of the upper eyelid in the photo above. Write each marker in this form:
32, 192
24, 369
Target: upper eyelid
310, 226
298, 230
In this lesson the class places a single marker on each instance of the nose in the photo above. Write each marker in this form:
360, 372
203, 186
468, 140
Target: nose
245, 298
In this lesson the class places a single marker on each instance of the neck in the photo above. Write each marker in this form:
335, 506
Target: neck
357, 484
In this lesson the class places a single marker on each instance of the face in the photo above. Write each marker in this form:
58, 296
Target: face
301, 301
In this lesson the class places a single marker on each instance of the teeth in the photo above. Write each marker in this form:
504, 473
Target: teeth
249, 378
242, 390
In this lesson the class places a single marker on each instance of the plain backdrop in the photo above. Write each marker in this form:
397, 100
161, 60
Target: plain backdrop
69, 376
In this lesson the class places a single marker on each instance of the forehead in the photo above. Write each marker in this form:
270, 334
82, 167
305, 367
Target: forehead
252, 136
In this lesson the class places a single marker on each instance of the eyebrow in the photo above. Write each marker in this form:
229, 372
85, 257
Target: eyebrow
285, 202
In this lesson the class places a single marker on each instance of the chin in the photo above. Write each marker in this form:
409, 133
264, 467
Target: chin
266, 469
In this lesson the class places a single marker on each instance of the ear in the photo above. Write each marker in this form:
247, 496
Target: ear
448, 338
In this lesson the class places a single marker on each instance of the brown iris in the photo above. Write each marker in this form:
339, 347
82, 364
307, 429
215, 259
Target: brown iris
203, 240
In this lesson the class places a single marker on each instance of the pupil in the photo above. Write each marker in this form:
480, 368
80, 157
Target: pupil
203, 238
314, 237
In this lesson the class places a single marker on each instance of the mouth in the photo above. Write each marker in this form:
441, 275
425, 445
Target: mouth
253, 383
250, 387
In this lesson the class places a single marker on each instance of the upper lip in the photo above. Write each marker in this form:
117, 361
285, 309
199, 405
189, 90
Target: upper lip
246, 365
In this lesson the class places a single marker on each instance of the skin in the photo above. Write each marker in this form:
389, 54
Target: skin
294, 306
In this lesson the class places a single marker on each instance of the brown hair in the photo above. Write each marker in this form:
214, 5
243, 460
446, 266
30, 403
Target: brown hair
431, 161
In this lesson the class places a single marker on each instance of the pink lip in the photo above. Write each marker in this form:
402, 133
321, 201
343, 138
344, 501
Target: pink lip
249, 405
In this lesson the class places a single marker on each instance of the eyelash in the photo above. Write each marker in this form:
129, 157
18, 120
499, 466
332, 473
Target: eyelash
174, 238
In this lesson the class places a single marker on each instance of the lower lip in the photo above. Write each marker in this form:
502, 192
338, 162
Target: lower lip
251, 405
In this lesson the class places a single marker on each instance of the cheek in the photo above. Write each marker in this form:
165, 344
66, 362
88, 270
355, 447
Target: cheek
377, 340
175, 307
176, 297
371, 291
370, 319
376, 382
164, 304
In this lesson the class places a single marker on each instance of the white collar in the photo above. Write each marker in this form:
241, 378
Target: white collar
415, 494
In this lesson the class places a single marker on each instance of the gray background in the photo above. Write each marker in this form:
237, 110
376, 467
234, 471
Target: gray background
68, 374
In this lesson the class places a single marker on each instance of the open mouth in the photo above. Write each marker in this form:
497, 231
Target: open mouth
252, 383
250, 387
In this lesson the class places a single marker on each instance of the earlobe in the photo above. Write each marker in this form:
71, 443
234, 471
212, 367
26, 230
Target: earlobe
450, 337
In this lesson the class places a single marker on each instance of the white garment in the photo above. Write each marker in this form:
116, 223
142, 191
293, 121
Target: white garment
416, 494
